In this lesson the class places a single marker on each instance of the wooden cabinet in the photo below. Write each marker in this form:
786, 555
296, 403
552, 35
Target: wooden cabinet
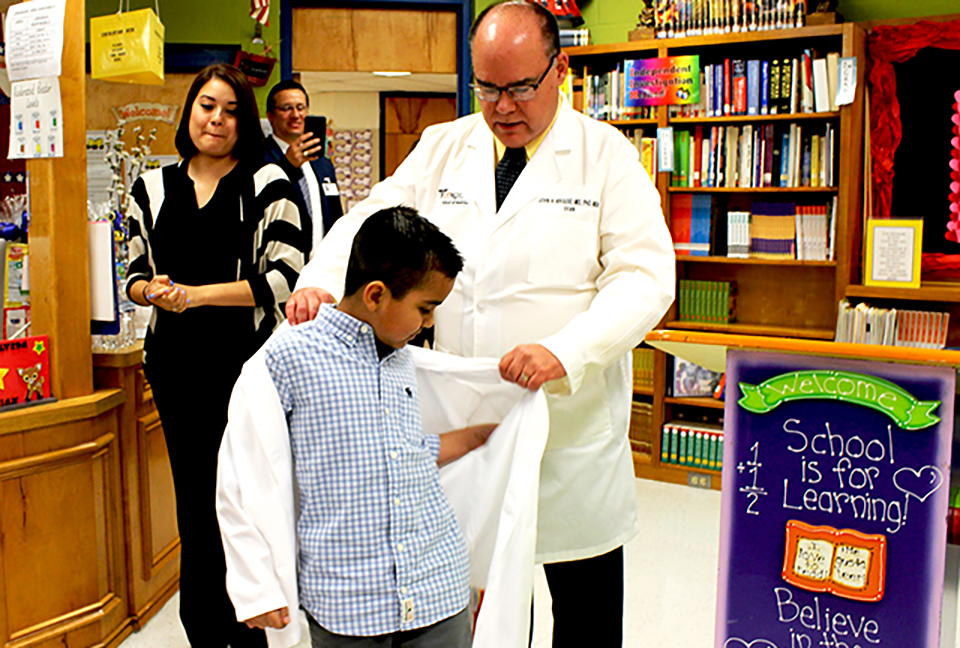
149, 508
783, 298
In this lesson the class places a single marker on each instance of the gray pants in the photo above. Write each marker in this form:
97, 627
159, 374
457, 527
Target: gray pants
452, 632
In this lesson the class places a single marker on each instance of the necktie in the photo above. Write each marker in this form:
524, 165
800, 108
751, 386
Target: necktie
305, 190
508, 170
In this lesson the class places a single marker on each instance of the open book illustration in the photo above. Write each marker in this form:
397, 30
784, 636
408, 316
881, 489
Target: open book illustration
844, 562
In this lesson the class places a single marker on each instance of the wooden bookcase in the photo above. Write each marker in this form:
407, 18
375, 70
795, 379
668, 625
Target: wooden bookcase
782, 298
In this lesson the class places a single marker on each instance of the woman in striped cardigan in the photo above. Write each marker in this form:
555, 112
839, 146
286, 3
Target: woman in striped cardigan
217, 245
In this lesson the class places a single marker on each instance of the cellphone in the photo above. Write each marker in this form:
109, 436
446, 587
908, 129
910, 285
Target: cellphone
318, 126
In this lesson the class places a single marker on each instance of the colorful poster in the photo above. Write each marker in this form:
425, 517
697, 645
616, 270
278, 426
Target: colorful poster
835, 491
24, 371
662, 81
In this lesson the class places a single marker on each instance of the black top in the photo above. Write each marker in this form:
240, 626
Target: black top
250, 229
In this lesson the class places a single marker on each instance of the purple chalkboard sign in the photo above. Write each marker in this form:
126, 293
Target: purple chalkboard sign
835, 489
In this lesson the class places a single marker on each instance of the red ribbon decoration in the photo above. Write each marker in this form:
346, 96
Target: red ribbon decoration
887, 45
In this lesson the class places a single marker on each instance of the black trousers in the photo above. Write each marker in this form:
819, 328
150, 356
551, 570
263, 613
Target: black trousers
587, 601
193, 410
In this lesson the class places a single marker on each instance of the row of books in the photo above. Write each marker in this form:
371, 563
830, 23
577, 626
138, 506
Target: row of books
710, 302
865, 324
574, 37
641, 431
647, 147
643, 368
770, 230
698, 446
691, 220
805, 84
680, 18
605, 96
766, 155
813, 233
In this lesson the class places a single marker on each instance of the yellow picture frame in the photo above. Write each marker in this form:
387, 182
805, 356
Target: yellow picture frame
892, 257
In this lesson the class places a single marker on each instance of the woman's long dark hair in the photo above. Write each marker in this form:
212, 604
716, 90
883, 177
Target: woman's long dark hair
249, 147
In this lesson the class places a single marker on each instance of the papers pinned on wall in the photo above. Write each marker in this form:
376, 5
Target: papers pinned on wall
36, 119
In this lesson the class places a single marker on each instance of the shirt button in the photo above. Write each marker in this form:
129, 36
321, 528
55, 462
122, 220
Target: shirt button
386, 411
394, 455
481, 307
349, 338
396, 502
403, 590
363, 328
399, 546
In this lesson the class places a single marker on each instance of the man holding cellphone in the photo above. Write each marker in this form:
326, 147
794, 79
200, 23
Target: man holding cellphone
298, 150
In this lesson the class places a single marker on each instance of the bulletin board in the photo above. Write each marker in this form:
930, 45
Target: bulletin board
833, 519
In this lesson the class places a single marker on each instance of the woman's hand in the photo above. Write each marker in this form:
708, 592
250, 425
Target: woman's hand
163, 293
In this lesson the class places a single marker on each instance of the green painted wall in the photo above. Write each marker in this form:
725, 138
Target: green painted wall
220, 22
609, 21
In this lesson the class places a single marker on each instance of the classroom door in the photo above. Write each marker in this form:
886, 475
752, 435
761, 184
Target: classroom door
403, 118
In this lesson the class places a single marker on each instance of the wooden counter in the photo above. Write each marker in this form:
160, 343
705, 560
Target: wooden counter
150, 522
87, 519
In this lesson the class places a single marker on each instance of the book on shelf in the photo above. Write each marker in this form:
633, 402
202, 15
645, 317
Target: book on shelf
641, 430
647, 148
773, 230
738, 234
739, 89
707, 302
701, 224
698, 445
643, 358
681, 222
753, 87
865, 324
832, 69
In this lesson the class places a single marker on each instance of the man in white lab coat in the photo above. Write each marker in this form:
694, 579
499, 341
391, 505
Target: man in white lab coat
565, 272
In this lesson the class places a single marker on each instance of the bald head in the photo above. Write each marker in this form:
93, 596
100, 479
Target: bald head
516, 44
537, 23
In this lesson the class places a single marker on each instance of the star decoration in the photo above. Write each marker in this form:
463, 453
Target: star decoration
20, 177
39, 347
8, 177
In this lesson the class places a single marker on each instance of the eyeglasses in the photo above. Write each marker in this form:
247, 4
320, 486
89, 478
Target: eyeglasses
519, 92
300, 108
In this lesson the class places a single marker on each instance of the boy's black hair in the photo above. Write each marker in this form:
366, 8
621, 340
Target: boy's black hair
399, 247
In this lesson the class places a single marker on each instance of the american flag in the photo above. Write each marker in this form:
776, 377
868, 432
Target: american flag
260, 11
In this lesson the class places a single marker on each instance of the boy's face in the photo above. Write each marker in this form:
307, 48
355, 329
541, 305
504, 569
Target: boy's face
397, 321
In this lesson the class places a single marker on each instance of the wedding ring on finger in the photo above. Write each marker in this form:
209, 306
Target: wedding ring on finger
524, 379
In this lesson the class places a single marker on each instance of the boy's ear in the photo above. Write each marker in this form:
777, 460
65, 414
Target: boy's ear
375, 294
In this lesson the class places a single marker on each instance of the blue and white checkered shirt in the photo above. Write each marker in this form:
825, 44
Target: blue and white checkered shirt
379, 546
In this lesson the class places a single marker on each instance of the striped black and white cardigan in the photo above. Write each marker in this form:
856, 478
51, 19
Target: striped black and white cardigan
266, 208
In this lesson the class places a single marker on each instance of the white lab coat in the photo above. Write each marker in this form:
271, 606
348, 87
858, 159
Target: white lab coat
493, 491
578, 259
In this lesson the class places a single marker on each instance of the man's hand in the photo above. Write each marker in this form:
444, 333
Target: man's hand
303, 149
277, 619
302, 306
530, 365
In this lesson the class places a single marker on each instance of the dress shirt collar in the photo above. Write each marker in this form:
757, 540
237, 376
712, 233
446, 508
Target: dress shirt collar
349, 330
532, 147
